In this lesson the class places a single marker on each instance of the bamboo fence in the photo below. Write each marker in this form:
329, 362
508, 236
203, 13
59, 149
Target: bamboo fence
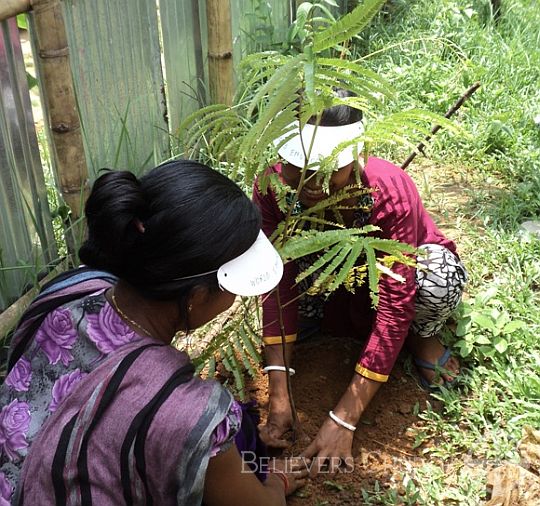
57, 89
220, 50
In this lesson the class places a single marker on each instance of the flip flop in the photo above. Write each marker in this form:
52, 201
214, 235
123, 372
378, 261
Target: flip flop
441, 362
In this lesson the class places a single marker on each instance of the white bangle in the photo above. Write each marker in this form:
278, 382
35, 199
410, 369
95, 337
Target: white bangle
341, 422
282, 368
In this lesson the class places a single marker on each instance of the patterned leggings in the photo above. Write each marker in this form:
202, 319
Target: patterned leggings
440, 279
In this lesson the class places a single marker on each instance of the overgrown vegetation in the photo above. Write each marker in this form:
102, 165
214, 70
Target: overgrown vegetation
431, 51
425, 53
278, 92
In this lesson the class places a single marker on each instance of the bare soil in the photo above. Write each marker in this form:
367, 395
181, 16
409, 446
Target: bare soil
383, 444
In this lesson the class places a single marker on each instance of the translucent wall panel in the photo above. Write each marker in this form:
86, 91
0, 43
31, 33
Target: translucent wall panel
259, 25
116, 60
183, 25
26, 236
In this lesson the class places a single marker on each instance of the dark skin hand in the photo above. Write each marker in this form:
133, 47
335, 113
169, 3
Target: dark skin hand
228, 484
334, 442
279, 419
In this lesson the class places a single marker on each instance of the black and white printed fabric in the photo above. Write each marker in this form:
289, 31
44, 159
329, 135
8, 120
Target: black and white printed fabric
440, 279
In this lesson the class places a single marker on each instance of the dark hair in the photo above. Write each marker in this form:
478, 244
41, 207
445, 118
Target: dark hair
194, 218
339, 115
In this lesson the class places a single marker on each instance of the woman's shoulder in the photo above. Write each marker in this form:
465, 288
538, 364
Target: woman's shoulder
391, 180
380, 169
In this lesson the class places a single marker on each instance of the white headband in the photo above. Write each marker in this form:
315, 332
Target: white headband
256, 271
327, 138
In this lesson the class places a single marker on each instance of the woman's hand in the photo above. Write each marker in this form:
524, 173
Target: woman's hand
295, 470
331, 450
278, 423
228, 482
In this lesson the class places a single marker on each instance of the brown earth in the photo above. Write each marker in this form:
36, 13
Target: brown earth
383, 444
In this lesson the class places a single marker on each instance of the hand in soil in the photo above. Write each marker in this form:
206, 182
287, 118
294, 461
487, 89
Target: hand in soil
331, 450
278, 423
295, 469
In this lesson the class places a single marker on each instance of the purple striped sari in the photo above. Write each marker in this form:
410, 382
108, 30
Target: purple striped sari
124, 421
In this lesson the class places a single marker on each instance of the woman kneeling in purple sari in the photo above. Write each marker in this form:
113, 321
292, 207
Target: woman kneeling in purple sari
97, 407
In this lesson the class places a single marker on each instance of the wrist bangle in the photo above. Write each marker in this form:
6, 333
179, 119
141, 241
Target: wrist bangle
282, 368
282, 476
341, 422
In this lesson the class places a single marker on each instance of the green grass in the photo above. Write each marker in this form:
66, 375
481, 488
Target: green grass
432, 50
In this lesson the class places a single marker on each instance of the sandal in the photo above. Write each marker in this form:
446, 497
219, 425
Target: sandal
441, 362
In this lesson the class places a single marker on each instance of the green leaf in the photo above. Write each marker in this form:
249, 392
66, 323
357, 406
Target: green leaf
463, 327
327, 257
309, 80
355, 252
465, 348
31, 80
334, 264
500, 344
373, 275
348, 26
211, 367
485, 295
284, 74
249, 345
334, 485
22, 22
310, 242
513, 326
483, 321
482, 339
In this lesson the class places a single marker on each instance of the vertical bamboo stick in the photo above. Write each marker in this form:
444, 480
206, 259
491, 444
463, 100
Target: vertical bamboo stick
10, 8
59, 97
220, 63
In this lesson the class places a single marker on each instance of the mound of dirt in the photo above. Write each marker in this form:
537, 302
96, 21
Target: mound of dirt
383, 446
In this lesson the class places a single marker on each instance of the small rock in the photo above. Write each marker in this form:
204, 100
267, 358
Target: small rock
533, 227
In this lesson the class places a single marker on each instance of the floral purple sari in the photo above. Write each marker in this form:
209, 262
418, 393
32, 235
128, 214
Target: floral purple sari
64, 355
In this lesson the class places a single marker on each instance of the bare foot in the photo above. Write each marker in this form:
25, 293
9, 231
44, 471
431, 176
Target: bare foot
279, 422
431, 350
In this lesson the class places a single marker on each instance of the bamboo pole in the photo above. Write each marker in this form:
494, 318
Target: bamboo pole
220, 62
10, 8
420, 148
59, 97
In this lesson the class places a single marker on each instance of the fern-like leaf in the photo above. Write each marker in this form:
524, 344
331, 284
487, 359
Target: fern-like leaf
348, 26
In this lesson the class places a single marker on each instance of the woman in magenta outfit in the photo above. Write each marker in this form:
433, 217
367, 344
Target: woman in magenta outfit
410, 312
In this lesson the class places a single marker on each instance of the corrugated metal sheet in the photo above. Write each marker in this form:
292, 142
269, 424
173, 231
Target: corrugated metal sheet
185, 47
115, 56
26, 236
258, 24
255, 25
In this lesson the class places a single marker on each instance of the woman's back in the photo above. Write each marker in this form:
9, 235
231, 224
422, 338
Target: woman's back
154, 415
